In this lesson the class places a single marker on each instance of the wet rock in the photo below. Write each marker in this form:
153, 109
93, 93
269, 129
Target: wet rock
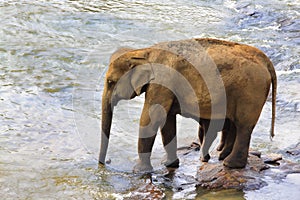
188, 149
212, 175
294, 151
216, 176
272, 158
255, 153
288, 167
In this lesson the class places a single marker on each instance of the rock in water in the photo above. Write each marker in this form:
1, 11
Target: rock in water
272, 158
216, 176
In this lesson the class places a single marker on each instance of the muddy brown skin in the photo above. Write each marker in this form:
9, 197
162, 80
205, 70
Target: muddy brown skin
246, 74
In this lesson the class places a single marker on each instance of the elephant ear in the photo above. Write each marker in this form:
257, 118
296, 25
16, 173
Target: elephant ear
119, 53
141, 75
132, 82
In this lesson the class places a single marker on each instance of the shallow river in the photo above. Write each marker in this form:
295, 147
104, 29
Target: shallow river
53, 55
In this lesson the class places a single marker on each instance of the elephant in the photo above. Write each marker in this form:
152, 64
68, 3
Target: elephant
220, 84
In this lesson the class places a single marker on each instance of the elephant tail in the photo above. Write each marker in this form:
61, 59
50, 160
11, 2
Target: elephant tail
274, 92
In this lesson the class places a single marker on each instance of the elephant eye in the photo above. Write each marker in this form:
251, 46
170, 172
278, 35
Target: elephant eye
110, 82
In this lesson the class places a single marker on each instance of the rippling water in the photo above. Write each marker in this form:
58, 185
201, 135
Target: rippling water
53, 55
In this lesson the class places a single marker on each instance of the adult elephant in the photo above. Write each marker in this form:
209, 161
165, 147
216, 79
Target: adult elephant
204, 79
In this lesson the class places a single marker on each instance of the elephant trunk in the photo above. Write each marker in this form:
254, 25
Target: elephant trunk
107, 112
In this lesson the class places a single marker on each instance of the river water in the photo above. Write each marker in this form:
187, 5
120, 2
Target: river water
53, 55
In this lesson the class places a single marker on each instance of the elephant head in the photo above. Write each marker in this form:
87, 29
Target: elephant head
128, 73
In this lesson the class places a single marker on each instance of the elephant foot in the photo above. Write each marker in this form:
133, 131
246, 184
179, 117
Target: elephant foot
172, 164
205, 158
141, 167
232, 162
100, 163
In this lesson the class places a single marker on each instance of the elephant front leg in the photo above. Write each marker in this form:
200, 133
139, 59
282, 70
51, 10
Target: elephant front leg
152, 117
144, 152
168, 133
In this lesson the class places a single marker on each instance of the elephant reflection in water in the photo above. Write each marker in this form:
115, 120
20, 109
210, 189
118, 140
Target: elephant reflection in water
222, 85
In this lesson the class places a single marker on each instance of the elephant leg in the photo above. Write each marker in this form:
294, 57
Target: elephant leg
168, 133
201, 133
239, 155
229, 142
149, 124
153, 116
224, 134
144, 151
209, 136
223, 139
203, 126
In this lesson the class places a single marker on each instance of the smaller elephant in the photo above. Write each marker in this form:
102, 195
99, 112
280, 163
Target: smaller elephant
226, 142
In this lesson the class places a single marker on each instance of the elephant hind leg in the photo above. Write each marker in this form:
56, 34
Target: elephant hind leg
239, 155
245, 119
225, 130
229, 142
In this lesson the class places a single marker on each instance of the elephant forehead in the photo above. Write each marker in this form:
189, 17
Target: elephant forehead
119, 53
117, 68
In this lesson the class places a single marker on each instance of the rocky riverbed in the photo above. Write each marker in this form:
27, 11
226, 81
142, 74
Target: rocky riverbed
213, 176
